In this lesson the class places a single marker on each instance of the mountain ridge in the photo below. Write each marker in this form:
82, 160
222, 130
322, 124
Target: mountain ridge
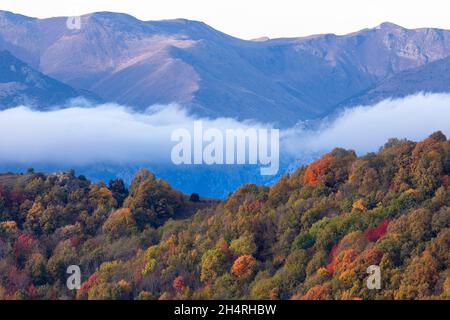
140, 63
431, 78
22, 85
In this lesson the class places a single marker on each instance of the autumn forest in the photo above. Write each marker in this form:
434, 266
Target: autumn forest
311, 235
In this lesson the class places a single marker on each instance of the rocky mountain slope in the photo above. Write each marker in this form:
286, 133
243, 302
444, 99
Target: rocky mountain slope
22, 85
430, 78
140, 63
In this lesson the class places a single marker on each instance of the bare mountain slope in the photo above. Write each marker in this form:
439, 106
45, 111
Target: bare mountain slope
430, 78
140, 63
22, 85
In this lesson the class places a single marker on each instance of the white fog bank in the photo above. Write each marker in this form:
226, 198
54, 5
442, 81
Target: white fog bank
114, 134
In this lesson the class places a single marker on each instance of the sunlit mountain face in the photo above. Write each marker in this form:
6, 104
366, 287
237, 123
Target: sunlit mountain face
141, 63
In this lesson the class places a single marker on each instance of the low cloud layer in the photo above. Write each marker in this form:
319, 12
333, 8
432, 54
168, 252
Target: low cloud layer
103, 134
366, 128
114, 134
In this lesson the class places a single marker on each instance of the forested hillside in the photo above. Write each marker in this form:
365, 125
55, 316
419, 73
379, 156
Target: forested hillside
312, 235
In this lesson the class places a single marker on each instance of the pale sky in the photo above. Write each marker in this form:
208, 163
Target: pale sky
255, 18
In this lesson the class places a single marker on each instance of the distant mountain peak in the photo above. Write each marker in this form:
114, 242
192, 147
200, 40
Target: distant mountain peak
141, 63
389, 26
111, 14
261, 39
10, 16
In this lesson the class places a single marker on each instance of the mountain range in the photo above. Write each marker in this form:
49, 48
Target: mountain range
433, 77
22, 85
140, 63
